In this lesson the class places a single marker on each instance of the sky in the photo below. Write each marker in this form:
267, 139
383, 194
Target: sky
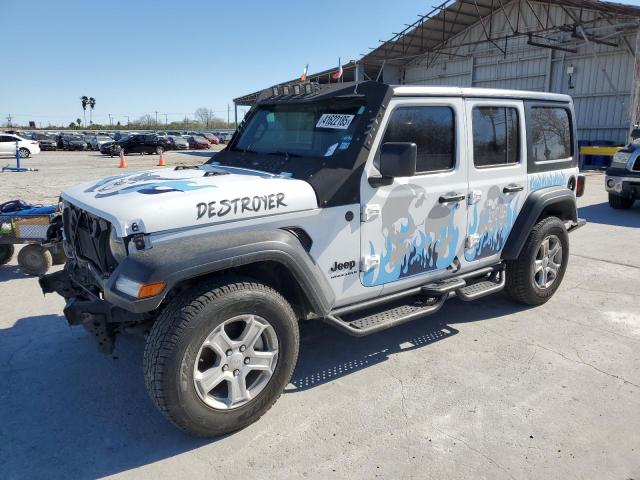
138, 57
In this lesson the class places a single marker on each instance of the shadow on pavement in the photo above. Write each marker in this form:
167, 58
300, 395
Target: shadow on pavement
327, 354
12, 272
604, 214
68, 411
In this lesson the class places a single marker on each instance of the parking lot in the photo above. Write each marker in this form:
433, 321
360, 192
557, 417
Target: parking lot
490, 389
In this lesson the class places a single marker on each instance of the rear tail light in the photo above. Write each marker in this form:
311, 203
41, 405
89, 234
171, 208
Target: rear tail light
34, 143
580, 185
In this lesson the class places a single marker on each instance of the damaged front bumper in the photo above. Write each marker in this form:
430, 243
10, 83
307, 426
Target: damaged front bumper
103, 319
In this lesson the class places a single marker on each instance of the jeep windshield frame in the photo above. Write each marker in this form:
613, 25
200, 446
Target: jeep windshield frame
295, 129
329, 158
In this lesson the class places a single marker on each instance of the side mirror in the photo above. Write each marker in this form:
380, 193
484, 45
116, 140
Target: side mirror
398, 159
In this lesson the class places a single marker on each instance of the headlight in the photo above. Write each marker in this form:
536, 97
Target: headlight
620, 159
116, 246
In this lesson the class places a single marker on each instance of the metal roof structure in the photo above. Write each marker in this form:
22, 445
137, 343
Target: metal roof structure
432, 32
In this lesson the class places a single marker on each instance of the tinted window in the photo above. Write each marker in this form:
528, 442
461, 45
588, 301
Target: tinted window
6, 138
550, 133
431, 129
495, 136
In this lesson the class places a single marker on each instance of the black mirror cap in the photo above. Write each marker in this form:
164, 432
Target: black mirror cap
398, 159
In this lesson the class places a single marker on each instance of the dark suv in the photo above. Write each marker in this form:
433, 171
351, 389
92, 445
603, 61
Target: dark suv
139, 143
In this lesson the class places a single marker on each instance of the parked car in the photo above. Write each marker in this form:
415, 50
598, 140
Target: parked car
622, 180
178, 142
87, 139
144, 143
46, 141
25, 147
110, 148
173, 133
98, 140
197, 142
213, 140
223, 136
73, 142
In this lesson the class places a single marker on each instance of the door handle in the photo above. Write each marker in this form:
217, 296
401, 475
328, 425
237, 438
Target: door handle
456, 197
512, 189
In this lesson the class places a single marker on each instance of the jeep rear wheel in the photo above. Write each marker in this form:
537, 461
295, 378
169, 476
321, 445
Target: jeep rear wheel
536, 274
218, 358
620, 203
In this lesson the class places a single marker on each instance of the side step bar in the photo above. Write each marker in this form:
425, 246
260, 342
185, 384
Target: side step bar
482, 288
381, 319
385, 312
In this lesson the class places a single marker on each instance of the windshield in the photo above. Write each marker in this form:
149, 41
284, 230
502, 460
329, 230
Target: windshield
103, 138
321, 129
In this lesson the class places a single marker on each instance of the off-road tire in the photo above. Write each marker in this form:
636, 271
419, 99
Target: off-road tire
6, 253
35, 259
175, 339
520, 283
619, 202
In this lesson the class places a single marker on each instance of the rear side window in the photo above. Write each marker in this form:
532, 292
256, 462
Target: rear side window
550, 133
496, 136
432, 129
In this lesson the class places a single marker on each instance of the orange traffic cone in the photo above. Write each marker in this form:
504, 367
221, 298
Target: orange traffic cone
161, 161
123, 163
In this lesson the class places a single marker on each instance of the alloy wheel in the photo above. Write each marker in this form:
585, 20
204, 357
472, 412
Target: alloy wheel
235, 362
547, 262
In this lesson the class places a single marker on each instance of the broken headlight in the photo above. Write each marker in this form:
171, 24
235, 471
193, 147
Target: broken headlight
116, 246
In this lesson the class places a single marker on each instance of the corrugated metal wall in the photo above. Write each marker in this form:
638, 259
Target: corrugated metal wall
602, 106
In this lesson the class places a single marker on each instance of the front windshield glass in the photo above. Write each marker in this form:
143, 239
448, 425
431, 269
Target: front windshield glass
320, 129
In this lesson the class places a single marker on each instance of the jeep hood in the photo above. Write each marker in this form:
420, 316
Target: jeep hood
173, 198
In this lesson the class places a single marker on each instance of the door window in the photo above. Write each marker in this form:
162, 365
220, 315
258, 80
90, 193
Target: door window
432, 129
496, 136
550, 133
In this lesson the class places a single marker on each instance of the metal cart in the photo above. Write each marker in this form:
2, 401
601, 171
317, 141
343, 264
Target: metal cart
43, 246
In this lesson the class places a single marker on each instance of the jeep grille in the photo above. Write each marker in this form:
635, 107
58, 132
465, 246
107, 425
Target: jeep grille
86, 238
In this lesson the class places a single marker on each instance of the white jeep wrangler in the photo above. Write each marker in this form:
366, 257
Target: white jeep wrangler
361, 204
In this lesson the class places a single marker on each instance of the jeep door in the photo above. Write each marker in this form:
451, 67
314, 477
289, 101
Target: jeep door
496, 141
413, 228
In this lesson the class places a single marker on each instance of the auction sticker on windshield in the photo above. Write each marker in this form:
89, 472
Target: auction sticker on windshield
335, 120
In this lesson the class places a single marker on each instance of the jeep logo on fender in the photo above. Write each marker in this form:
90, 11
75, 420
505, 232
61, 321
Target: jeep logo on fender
258, 203
343, 266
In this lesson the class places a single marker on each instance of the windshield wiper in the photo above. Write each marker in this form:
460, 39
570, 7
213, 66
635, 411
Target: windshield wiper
286, 154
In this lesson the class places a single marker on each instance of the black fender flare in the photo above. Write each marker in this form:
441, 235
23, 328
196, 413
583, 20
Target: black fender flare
182, 258
560, 202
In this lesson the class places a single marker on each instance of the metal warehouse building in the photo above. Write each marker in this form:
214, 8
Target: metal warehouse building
585, 48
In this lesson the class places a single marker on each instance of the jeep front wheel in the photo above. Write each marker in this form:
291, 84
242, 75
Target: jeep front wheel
536, 274
218, 358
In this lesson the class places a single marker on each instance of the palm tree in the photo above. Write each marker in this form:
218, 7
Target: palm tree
85, 101
92, 104
79, 122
